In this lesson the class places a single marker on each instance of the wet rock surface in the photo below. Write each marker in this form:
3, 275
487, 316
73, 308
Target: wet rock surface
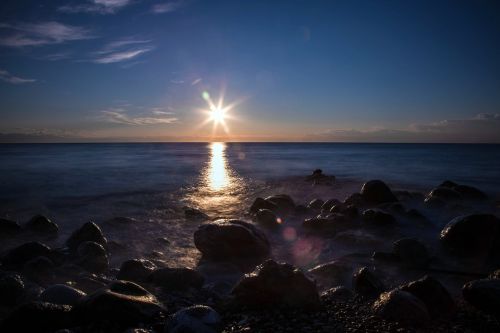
403, 307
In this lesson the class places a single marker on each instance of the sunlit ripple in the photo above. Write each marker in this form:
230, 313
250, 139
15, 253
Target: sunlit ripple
219, 190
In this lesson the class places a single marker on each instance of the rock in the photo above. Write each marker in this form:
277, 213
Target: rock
330, 274
319, 178
365, 283
411, 252
376, 192
283, 201
192, 213
329, 204
9, 227
470, 193
260, 203
434, 295
495, 274
338, 294
434, 203
448, 183
123, 303
445, 193
276, 285
483, 294
332, 223
37, 317
93, 257
136, 270
355, 199
231, 240
17, 257
89, 232
378, 218
40, 269
472, 234
267, 218
176, 279
403, 307
62, 294
196, 318
316, 204
11, 288
42, 224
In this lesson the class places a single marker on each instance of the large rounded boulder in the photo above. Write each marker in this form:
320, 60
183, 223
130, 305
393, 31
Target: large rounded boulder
483, 294
472, 234
89, 232
377, 192
403, 307
196, 318
276, 285
231, 240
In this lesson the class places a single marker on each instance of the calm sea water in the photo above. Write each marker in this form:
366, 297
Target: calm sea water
41, 172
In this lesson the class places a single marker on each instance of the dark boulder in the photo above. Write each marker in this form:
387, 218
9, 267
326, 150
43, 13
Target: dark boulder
89, 232
434, 203
366, 283
316, 204
123, 303
40, 269
9, 227
231, 240
495, 274
445, 193
319, 178
332, 223
196, 318
376, 192
403, 307
37, 317
260, 203
378, 218
448, 183
42, 224
136, 270
436, 298
283, 201
17, 257
93, 257
470, 193
192, 213
331, 274
484, 295
62, 294
355, 199
327, 205
276, 285
472, 234
176, 279
267, 218
338, 294
11, 288
411, 252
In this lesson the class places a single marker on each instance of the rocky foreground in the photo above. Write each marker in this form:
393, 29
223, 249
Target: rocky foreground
238, 287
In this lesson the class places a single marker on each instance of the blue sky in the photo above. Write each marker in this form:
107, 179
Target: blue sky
298, 70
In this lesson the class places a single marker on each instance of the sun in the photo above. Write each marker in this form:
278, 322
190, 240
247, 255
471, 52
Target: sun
217, 115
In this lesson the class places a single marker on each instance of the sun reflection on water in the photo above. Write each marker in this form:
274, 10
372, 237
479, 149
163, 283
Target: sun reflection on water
220, 190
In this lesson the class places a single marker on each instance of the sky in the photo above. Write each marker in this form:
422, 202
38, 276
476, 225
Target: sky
146, 70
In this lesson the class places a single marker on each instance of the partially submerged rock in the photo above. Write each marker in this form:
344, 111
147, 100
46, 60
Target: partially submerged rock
283, 202
378, 218
403, 307
472, 234
260, 203
267, 218
17, 257
89, 232
42, 224
192, 213
93, 257
136, 270
227, 240
276, 285
62, 294
330, 274
376, 192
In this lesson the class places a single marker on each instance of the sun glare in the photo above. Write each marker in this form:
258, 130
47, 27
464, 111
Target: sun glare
218, 113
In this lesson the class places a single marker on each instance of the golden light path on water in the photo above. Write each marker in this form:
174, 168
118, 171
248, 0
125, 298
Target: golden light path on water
219, 190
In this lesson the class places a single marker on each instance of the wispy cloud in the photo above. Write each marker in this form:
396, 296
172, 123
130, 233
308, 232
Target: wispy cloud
42, 33
7, 77
121, 116
122, 50
96, 6
167, 7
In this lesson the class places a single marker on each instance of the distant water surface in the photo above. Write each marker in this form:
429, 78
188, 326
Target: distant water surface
44, 172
